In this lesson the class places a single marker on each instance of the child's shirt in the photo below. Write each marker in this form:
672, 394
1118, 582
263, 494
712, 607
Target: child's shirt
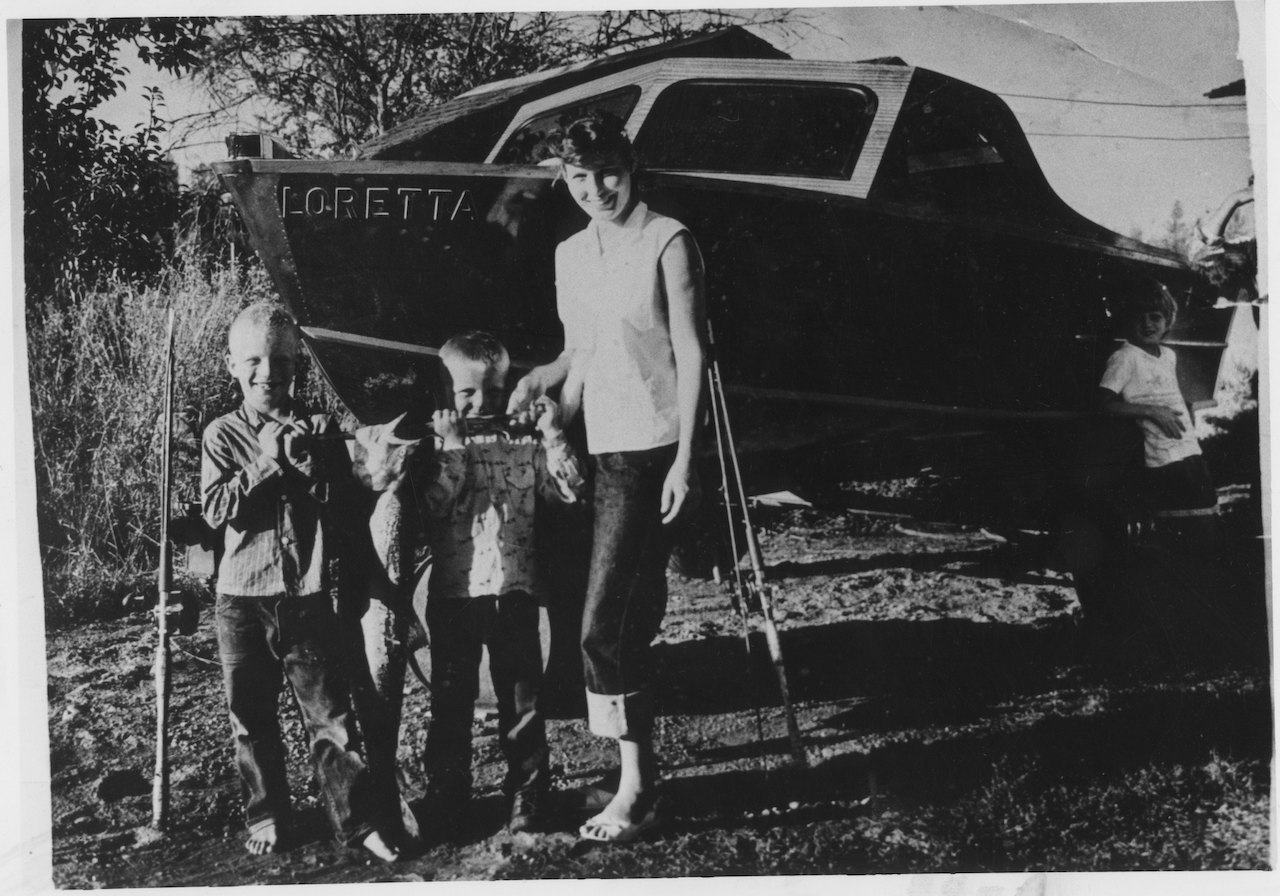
274, 532
1140, 378
480, 510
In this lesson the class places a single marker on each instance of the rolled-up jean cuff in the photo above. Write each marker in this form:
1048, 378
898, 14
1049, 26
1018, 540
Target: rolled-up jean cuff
620, 716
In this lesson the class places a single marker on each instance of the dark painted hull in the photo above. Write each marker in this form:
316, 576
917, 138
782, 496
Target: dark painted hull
835, 317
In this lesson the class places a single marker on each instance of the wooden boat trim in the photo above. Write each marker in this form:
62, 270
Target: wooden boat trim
374, 343
886, 84
337, 337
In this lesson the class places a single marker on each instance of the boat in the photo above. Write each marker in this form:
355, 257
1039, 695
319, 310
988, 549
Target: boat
886, 263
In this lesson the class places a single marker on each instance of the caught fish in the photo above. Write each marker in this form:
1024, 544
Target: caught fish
379, 459
390, 631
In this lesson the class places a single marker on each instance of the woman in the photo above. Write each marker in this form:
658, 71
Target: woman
629, 294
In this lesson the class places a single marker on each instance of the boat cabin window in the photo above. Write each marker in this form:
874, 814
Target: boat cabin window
946, 136
957, 147
522, 147
786, 128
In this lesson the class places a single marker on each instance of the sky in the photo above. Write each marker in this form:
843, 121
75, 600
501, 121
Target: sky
1084, 57
1062, 68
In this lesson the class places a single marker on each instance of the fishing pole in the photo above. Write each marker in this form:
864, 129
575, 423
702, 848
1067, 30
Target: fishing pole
164, 586
758, 587
739, 587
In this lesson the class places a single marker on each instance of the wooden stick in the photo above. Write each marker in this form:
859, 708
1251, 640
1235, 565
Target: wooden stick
164, 575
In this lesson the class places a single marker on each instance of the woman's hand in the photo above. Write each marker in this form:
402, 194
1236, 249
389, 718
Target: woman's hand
680, 484
528, 390
537, 382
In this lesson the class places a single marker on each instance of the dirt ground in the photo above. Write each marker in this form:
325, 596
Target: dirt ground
924, 660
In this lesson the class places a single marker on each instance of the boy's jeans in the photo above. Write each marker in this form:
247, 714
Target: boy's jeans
459, 627
258, 637
627, 590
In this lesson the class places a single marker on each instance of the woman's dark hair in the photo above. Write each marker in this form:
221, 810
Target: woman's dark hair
591, 141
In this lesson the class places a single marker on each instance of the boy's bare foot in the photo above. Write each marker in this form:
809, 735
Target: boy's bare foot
379, 848
263, 838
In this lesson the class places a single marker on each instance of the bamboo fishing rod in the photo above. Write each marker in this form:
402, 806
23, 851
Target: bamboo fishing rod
758, 587
164, 585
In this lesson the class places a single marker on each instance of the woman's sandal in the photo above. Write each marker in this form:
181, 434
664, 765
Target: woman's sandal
612, 830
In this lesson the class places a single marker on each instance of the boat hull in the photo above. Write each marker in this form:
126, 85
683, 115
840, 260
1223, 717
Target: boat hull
835, 318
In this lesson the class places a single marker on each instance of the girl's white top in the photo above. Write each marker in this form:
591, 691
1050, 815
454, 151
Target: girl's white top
613, 306
1139, 378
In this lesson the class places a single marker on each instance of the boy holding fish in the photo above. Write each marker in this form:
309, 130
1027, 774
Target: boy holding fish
270, 483
480, 507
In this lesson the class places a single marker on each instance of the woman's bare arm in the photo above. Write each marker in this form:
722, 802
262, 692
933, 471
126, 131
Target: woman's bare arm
681, 267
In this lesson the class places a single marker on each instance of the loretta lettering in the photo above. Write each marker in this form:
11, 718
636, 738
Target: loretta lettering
394, 202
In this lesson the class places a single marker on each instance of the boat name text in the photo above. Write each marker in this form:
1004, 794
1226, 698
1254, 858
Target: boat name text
400, 203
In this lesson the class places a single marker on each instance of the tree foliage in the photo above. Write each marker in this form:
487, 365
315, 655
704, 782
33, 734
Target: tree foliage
336, 81
96, 200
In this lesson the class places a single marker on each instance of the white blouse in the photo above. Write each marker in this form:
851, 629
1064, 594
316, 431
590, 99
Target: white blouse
613, 307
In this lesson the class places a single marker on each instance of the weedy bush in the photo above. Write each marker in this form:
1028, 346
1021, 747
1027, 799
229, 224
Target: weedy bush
97, 387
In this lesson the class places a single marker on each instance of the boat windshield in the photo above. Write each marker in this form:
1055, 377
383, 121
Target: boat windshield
523, 146
782, 128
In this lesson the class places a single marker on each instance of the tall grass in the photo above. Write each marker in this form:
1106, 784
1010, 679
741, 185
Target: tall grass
97, 380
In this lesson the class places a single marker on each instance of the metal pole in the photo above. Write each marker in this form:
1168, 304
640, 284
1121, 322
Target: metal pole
164, 584
757, 565
738, 588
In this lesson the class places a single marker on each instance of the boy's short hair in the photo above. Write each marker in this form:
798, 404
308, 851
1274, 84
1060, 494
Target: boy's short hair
595, 139
269, 317
476, 345
1150, 296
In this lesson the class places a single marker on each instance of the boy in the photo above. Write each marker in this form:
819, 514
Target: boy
270, 485
480, 510
1141, 382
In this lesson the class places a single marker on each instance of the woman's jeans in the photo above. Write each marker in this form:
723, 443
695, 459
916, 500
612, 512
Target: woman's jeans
258, 638
626, 591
